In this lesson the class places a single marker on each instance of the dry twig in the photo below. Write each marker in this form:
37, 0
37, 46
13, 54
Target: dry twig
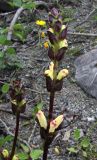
32, 133
87, 17
83, 34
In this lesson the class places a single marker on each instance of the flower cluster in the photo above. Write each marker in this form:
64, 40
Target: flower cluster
57, 47
17, 97
54, 124
54, 80
57, 36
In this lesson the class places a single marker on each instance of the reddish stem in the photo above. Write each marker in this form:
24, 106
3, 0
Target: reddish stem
16, 136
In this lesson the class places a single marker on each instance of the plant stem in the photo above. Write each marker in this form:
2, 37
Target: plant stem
50, 116
52, 94
45, 150
16, 136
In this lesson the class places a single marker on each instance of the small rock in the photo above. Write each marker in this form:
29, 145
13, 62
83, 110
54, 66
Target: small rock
90, 119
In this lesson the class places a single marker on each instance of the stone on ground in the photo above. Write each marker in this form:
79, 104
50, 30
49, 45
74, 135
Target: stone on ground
86, 72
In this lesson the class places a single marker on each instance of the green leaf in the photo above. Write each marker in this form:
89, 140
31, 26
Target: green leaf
11, 51
8, 138
18, 26
1, 141
5, 88
4, 140
72, 150
23, 156
35, 154
3, 39
1, 54
4, 30
20, 35
76, 134
85, 142
84, 154
25, 148
17, 3
30, 5
68, 19
37, 108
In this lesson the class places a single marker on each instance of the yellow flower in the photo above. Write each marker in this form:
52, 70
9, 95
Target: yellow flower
63, 43
5, 153
50, 71
40, 23
41, 118
46, 44
15, 157
42, 34
55, 123
63, 73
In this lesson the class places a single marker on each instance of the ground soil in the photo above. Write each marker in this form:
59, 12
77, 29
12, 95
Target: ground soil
72, 101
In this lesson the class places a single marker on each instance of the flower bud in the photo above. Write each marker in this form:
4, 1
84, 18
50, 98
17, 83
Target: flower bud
52, 37
51, 30
15, 157
51, 53
46, 45
42, 34
63, 73
63, 43
49, 84
42, 119
51, 18
54, 124
60, 54
5, 153
57, 26
54, 12
18, 102
50, 71
63, 33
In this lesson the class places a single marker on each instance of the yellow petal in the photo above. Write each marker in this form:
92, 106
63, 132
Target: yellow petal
22, 103
50, 71
49, 74
63, 27
14, 102
51, 66
42, 34
15, 157
5, 153
55, 123
40, 22
51, 30
41, 118
63, 73
46, 44
63, 43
